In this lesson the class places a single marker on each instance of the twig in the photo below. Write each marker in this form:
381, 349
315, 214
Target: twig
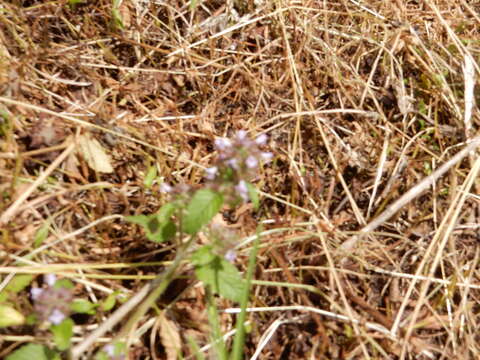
12, 209
411, 194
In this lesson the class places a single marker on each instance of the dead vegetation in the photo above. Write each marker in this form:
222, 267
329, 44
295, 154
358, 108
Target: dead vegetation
360, 103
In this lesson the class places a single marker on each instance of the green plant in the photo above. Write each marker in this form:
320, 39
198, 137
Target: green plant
53, 303
190, 211
187, 212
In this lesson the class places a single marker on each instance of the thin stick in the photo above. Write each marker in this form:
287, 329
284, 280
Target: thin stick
12, 209
411, 194
113, 320
451, 218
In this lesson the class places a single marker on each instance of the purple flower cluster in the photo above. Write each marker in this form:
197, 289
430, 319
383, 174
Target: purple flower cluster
238, 161
51, 304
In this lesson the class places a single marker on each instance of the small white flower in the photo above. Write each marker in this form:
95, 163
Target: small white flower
36, 292
56, 317
165, 188
50, 279
109, 349
230, 256
233, 163
251, 162
211, 172
266, 156
261, 139
242, 190
241, 135
222, 144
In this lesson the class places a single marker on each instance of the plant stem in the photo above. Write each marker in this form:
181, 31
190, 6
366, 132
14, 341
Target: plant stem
214, 321
239, 340
159, 284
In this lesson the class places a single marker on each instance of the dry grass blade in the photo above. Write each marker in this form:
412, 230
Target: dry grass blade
415, 191
369, 206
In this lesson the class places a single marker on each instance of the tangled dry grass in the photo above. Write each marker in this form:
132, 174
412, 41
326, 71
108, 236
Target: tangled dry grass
360, 103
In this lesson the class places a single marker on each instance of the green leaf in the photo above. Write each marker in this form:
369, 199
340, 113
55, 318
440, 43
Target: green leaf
41, 234
10, 317
62, 333
63, 283
74, 3
203, 256
33, 351
193, 4
109, 302
17, 284
253, 195
82, 306
141, 220
150, 177
158, 227
31, 319
102, 355
223, 277
117, 16
201, 209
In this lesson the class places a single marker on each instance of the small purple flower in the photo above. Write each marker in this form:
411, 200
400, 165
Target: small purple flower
261, 139
242, 190
230, 256
251, 162
222, 144
266, 156
211, 172
50, 279
36, 292
113, 352
109, 349
56, 317
165, 188
233, 163
241, 135
52, 303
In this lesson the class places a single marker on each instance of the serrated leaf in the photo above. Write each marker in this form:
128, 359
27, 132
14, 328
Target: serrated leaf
10, 317
33, 351
82, 306
203, 256
158, 227
94, 154
201, 209
62, 333
223, 277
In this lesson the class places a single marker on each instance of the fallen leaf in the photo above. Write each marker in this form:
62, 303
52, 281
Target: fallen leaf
94, 154
170, 337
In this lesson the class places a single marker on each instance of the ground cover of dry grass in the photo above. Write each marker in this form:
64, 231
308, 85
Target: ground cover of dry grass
361, 101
